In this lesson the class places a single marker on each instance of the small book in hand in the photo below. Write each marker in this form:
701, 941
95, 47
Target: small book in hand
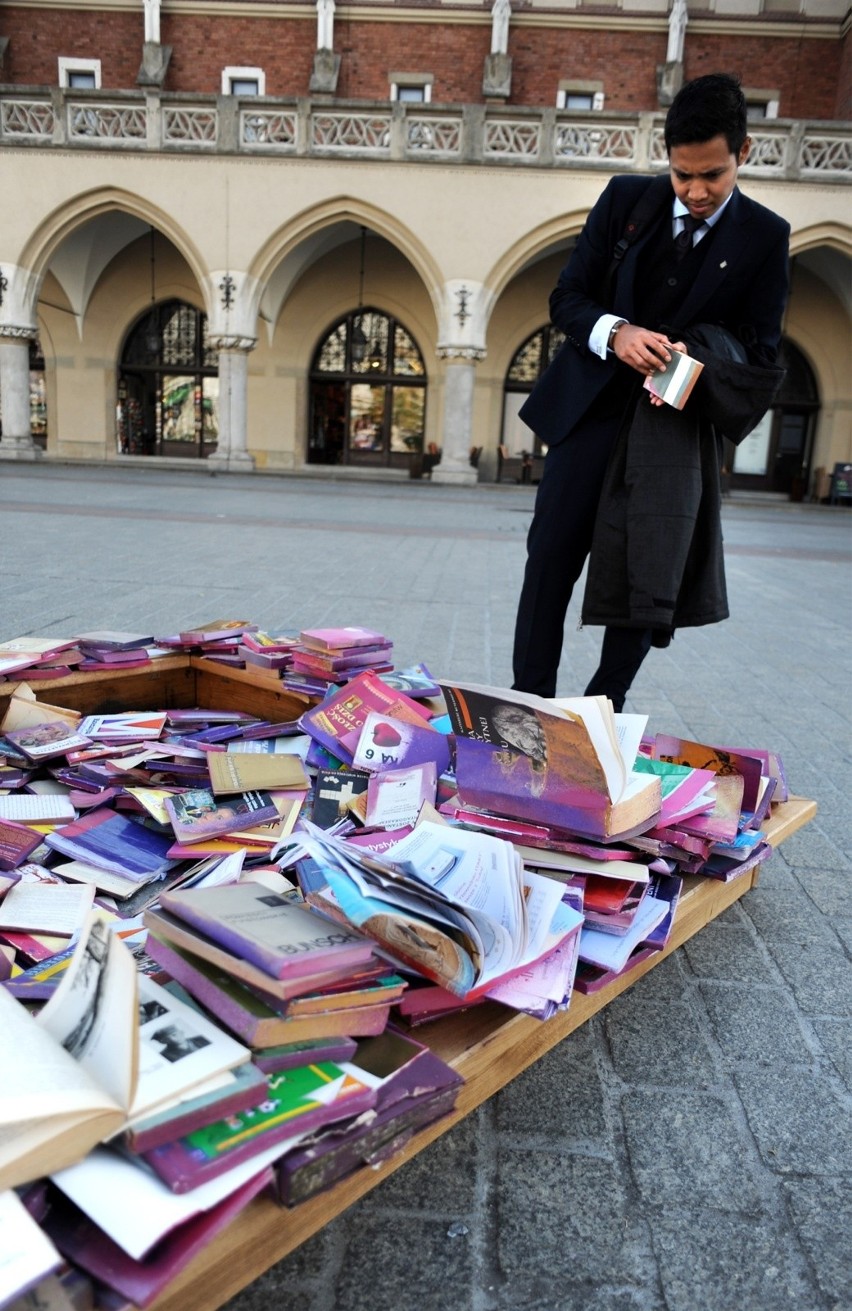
674, 384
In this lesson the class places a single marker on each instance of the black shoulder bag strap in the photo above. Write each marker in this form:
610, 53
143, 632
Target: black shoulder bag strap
646, 209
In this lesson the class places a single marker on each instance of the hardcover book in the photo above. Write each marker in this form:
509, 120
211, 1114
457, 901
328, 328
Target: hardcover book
280, 937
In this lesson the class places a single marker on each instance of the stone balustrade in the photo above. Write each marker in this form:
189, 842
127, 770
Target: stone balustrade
471, 134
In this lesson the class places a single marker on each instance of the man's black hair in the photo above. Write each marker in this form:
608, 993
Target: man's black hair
708, 107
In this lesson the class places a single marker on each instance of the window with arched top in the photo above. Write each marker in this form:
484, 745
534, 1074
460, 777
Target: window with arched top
527, 365
367, 393
168, 384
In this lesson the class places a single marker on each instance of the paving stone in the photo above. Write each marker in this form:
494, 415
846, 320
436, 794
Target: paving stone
727, 951
787, 916
561, 1217
827, 889
690, 1151
822, 1211
658, 1043
719, 1263
668, 981
561, 1095
755, 1024
835, 1037
800, 1124
821, 978
406, 1264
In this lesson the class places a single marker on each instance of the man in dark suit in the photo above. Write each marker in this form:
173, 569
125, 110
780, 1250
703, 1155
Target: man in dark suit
694, 250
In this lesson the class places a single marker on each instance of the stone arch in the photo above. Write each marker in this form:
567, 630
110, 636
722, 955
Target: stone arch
73, 215
308, 235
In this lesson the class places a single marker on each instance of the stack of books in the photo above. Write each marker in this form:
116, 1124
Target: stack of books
331, 656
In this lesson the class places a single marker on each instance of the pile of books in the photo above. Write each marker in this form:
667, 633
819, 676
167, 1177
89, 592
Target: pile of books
217, 933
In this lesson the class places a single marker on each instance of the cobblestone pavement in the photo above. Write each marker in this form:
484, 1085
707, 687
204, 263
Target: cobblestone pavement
688, 1150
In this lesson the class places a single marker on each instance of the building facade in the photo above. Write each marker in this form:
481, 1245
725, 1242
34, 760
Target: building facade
300, 236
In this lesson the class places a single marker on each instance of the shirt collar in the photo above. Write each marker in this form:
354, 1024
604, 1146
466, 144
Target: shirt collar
680, 209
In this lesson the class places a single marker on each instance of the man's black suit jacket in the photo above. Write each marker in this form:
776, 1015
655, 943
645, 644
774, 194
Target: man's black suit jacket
741, 285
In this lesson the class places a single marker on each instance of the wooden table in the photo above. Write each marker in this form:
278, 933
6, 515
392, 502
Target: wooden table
488, 1045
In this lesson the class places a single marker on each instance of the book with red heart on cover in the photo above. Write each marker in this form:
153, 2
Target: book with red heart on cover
279, 936
346, 710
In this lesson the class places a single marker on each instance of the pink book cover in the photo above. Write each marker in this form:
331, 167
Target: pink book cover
346, 710
334, 639
81, 1241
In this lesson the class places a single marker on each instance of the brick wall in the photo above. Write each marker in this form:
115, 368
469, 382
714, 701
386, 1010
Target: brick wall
811, 75
807, 73
38, 37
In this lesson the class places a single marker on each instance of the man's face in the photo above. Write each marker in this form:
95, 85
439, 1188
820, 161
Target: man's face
704, 174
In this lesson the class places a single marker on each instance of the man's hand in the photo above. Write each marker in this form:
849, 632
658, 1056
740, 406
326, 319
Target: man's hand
643, 350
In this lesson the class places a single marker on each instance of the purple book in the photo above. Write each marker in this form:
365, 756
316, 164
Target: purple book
81, 1241
292, 1054
420, 1093
197, 814
111, 841
247, 1089
295, 1104
280, 937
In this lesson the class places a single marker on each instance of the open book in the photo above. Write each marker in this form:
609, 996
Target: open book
455, 906
566, 764
106, 1049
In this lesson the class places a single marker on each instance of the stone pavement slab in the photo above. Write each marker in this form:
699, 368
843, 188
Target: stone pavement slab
689, 1149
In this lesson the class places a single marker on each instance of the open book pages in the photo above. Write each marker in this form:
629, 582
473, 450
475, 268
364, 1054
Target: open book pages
456, 906
526, 757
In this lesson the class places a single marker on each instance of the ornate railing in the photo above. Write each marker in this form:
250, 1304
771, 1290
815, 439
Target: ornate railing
473, 134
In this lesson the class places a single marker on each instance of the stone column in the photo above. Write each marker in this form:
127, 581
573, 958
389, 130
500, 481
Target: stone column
17, 443
232, 454
457, 424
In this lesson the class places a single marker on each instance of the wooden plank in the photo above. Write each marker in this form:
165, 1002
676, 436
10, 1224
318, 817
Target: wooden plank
258, 694
162, 685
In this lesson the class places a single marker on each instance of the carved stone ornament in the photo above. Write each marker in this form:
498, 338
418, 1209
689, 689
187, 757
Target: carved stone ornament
232, 343
461, 354
13, 332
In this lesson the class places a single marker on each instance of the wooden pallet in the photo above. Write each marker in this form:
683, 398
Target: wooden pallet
488, 1044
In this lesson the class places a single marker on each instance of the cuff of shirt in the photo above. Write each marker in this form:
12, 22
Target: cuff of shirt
599, 336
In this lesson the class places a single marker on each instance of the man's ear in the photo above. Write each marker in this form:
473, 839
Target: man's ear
744, 152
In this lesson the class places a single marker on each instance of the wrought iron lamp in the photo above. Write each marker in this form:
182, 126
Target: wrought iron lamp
152, 334
358, 341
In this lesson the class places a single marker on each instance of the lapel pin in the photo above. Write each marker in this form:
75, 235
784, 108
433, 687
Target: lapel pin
724, 264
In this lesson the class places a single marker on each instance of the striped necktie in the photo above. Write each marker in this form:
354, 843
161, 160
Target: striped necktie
683, 240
